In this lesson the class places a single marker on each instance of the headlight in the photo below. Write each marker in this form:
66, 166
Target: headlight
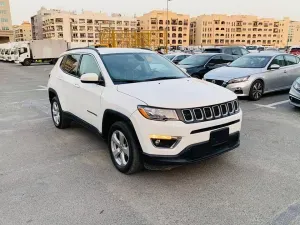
297, 86
238, 80
158, 114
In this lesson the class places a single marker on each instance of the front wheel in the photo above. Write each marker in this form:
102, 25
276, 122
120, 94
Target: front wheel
124, 149
27, 62
256, 90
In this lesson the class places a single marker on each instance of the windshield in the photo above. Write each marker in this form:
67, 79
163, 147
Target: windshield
251, 48
195, 60
139, 67
251, 62
170, 57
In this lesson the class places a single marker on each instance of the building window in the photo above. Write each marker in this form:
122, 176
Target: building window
2, 11
2, 4
4, 20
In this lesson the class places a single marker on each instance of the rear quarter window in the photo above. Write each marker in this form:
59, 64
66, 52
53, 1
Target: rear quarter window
213, 50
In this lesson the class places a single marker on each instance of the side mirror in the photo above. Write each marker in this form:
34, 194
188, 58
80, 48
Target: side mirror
90, 78
274, 67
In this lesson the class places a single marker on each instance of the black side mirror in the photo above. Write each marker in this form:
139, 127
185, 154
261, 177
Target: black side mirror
101, 81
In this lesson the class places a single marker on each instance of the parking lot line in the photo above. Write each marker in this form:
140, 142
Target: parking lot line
272, 106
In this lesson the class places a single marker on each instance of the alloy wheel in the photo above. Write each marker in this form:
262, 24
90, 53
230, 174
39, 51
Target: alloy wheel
120, 148
257, 90
56, 113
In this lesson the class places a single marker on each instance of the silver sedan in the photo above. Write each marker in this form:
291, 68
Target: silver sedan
257, 73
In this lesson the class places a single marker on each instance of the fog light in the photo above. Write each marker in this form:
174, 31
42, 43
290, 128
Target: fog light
164, 141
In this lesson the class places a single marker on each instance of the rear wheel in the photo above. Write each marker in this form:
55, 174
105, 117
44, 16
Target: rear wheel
124, 149
256, 90
58, 117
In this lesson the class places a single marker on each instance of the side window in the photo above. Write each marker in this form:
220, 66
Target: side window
279, 60
216, 60
227, 58
88, 64
236, 51
244, 51
290, 60
70, 63
228, 51
179, 58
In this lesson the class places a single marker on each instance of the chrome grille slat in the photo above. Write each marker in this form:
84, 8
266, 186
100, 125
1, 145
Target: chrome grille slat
212, 112
197, 112
205, 114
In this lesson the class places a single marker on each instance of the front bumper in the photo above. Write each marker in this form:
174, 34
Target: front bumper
194, 153
240, 89
294, 97
191, 134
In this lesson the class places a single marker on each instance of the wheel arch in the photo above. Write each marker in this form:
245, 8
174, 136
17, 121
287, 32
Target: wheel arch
110, 117
52, 93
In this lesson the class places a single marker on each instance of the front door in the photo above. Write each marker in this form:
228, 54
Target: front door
276, 79
89, 95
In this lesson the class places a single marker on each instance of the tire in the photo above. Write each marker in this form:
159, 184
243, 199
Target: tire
27, 62
126, 158
59, 119
53, 61
22, 64
256, 90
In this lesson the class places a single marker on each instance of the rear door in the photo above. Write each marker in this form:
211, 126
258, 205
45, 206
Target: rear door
293, 69
68, 75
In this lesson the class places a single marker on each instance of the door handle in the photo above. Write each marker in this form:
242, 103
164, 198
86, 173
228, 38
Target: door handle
77, 85
285, 71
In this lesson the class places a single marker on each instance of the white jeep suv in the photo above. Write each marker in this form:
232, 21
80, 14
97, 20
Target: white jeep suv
149, 110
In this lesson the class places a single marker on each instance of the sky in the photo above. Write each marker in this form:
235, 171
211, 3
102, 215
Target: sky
22, 10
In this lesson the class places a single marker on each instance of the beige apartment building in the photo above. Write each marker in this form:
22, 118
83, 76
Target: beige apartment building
23, 32
211, 30
178, 27
6, 32
37, 21
84, 27
294, 34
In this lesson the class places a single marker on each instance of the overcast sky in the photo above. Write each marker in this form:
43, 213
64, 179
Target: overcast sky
23, 10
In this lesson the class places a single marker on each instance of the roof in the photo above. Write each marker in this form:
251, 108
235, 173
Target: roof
178, 53
266, 53
122, 50
211, 53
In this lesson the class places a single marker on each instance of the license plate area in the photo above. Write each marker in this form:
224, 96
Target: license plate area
219, 137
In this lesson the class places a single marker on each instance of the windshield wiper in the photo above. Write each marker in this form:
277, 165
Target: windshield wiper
126, 81
163, 78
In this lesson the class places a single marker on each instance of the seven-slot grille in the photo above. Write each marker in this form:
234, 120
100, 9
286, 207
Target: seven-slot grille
210, 112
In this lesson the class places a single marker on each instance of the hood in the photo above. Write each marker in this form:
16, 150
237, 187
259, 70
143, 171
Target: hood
228, 73
178, 93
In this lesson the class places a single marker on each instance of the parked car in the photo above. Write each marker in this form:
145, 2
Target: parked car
257, 73
255, 48
295, 51
295, 93
230, 50
272, 49
176, 58
198, 65
149, 111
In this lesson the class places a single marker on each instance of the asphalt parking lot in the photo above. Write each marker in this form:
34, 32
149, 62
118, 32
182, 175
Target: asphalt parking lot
50, 176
